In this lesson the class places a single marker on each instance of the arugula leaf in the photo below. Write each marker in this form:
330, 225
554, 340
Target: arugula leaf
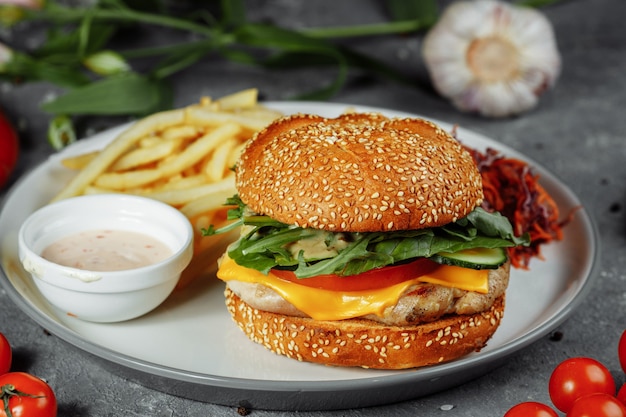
493, 224
349, 261
266, 244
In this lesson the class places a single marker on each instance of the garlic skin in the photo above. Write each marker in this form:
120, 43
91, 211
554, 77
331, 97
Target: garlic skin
491, 57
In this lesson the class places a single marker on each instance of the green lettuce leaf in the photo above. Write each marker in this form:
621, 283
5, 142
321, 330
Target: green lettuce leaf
264, 246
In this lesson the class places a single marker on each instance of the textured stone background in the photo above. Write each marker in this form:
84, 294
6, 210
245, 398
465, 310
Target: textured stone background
578, 132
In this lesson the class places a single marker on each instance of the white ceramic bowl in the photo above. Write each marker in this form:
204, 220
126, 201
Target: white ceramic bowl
108, 296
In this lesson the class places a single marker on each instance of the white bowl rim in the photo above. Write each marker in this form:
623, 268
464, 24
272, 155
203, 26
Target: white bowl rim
182, 255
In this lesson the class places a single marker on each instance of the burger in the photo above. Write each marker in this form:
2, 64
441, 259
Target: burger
363, 243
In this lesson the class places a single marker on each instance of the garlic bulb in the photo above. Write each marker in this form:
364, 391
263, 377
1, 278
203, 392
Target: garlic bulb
491, 57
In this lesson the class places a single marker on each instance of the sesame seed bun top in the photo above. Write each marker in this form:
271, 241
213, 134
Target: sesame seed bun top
359, 172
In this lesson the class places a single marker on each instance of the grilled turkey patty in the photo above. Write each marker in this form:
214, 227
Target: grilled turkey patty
420, 303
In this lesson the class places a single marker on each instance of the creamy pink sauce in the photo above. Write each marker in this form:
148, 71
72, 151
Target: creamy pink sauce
106, 250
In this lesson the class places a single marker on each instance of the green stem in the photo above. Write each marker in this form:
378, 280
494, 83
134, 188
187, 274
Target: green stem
8, 391
367, 30
206, 44
210, 231
61, 14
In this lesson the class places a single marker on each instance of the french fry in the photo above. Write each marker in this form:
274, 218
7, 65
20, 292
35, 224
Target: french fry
179, 162
194, 152
180, 157
146, 154
240, 100
79, 161
187, 195
207, 203
251, 120
180, 182
217, 163
149, 141
234, 155
184, 132
92, 189
123, 142
124, 180
205, 258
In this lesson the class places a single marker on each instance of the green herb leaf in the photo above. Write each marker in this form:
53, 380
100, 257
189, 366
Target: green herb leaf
290, 46
494, 225
422, 10
123, 94
26, 68
233, 12
66, 44
265, 246
267, 36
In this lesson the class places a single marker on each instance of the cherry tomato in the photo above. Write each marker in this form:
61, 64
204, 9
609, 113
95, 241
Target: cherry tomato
375, 278
621, 394
576, 377
27, 396
621, 350
597, 405
531, 409
5, 355
9, 148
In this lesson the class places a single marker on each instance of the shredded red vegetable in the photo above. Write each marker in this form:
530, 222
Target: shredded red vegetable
511, 188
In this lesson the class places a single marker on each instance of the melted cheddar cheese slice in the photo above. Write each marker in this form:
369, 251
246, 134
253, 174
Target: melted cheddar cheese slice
323, 304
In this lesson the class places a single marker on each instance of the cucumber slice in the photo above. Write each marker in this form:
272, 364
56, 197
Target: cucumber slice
479, 258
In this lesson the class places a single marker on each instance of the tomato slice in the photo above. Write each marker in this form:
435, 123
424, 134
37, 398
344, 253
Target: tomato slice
372, 279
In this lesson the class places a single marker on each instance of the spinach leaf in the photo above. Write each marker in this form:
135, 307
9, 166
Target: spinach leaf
266, 243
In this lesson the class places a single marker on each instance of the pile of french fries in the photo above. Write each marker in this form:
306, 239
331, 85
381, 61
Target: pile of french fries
182, 157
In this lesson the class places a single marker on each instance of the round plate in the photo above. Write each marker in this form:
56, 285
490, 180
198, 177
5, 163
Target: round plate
190, 347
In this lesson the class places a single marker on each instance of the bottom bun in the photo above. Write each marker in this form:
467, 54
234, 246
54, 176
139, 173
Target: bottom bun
365, 343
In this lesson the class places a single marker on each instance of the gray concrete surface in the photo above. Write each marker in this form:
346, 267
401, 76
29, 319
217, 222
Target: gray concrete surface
578, 131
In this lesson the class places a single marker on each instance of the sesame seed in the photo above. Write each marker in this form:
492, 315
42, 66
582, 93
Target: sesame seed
289, 162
